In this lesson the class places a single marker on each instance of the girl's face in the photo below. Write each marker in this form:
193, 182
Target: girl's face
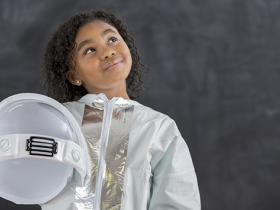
98, 44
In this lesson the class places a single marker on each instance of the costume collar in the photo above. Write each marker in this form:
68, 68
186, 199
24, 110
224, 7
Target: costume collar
97, 100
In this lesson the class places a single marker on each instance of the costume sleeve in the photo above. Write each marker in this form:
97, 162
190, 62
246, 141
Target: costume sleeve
174, 179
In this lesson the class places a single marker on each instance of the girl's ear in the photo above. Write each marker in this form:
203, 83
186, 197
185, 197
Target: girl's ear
72, 79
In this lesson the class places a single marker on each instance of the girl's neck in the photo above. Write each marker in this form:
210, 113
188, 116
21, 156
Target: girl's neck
110, 93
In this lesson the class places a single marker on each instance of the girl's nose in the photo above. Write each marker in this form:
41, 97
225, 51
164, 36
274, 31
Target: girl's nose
108, 53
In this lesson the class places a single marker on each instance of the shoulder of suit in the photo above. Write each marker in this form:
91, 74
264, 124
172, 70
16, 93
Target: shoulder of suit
144, 112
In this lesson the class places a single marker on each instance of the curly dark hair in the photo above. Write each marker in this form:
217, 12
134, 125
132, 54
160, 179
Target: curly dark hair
59, 56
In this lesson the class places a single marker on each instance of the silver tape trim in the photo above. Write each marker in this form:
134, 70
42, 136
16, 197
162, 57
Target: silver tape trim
91, 129
116, 158
116, 123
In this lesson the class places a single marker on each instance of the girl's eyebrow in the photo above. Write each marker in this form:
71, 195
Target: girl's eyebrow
85, 42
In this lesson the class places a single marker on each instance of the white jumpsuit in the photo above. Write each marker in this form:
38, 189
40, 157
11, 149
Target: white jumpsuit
138, 157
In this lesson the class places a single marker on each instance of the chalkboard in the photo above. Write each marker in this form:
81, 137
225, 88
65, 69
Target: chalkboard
214, 69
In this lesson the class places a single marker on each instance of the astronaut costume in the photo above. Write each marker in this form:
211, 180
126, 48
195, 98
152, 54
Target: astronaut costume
139, 159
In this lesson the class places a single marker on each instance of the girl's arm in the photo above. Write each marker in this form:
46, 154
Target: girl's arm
174, 179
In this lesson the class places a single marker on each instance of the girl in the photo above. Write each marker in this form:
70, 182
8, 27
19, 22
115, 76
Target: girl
138, 157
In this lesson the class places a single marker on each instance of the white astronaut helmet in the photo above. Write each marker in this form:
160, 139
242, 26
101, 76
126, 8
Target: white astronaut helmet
40, 145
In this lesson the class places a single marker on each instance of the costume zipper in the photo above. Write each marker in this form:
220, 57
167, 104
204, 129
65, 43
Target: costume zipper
101, 170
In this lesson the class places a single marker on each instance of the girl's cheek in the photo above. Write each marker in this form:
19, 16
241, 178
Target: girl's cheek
127, 51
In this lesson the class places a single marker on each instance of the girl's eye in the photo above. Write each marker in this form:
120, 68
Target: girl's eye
88, 49
113, 38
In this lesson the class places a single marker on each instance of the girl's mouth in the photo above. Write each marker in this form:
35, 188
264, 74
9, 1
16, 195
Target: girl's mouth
114, 66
